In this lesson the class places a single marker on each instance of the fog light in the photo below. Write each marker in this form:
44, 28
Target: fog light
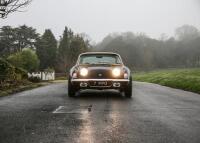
116, 84
83, 84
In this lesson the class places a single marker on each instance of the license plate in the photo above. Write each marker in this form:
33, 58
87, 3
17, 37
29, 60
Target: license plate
99, 83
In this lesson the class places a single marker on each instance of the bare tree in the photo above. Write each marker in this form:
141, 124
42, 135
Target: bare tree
9, 6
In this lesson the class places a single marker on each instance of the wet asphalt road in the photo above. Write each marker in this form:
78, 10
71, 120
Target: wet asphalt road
155, 114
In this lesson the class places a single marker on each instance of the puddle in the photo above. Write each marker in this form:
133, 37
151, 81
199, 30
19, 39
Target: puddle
76, 110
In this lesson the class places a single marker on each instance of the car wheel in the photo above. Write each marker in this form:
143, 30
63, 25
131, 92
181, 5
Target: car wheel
71, 89
128, 89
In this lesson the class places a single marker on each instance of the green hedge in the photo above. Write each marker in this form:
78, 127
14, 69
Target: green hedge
7, 71
10, 76
22, 72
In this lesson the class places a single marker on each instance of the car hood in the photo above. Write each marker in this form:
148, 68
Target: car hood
100, 71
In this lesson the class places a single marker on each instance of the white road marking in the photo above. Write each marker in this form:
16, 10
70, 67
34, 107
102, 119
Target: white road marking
57, 109
66, 110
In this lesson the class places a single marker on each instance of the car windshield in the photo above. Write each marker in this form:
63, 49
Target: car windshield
100, 59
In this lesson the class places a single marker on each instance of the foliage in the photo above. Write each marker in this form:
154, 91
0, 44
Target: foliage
22, 72
14, 40
11, 76
7, 71
64, 50
61, 78
12, 6
186, 79
187, 33
143, 53
77, 46
71, 45
49, 70
16, 59
7, 40
46, 48
26, 59
25, 37
34, 79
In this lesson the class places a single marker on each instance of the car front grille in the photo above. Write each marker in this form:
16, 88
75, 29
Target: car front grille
99, 74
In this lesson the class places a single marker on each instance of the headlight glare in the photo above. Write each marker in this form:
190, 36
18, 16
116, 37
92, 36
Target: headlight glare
83, 72
116, 72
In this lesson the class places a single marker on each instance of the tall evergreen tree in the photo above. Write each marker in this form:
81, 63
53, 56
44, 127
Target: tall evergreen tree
15, 39
64, 60
25, 37
78, 45
7, 41
46, 49
70, 47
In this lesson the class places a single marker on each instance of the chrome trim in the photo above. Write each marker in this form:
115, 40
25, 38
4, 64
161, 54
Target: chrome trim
117, 84
102, 86
115, 80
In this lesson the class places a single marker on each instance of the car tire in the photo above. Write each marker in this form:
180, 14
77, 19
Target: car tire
71, 89
128, 89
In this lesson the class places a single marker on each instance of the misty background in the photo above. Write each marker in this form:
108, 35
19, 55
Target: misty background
98, 18
148, 35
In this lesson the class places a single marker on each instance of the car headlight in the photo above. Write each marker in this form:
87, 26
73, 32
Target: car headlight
83, 72
116, 72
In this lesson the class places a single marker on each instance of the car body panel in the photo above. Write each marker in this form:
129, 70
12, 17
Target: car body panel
99, 75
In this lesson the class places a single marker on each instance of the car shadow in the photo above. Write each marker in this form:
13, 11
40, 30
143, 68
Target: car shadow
100, 94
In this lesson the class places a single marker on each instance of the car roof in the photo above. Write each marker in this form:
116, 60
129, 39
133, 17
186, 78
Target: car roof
93, 53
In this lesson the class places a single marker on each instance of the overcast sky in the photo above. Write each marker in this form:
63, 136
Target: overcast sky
97, 18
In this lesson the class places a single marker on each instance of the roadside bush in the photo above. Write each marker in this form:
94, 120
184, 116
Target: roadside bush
22, 72
11, 76
7, 74
26, 59
49, 70
7, 71
34, 79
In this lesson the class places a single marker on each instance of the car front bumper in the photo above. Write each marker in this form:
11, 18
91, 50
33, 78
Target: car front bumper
100, 83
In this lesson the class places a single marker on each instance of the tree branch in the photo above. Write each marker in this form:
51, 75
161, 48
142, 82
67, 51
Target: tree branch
12, 6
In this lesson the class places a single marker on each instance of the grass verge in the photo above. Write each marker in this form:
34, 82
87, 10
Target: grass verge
186, 79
